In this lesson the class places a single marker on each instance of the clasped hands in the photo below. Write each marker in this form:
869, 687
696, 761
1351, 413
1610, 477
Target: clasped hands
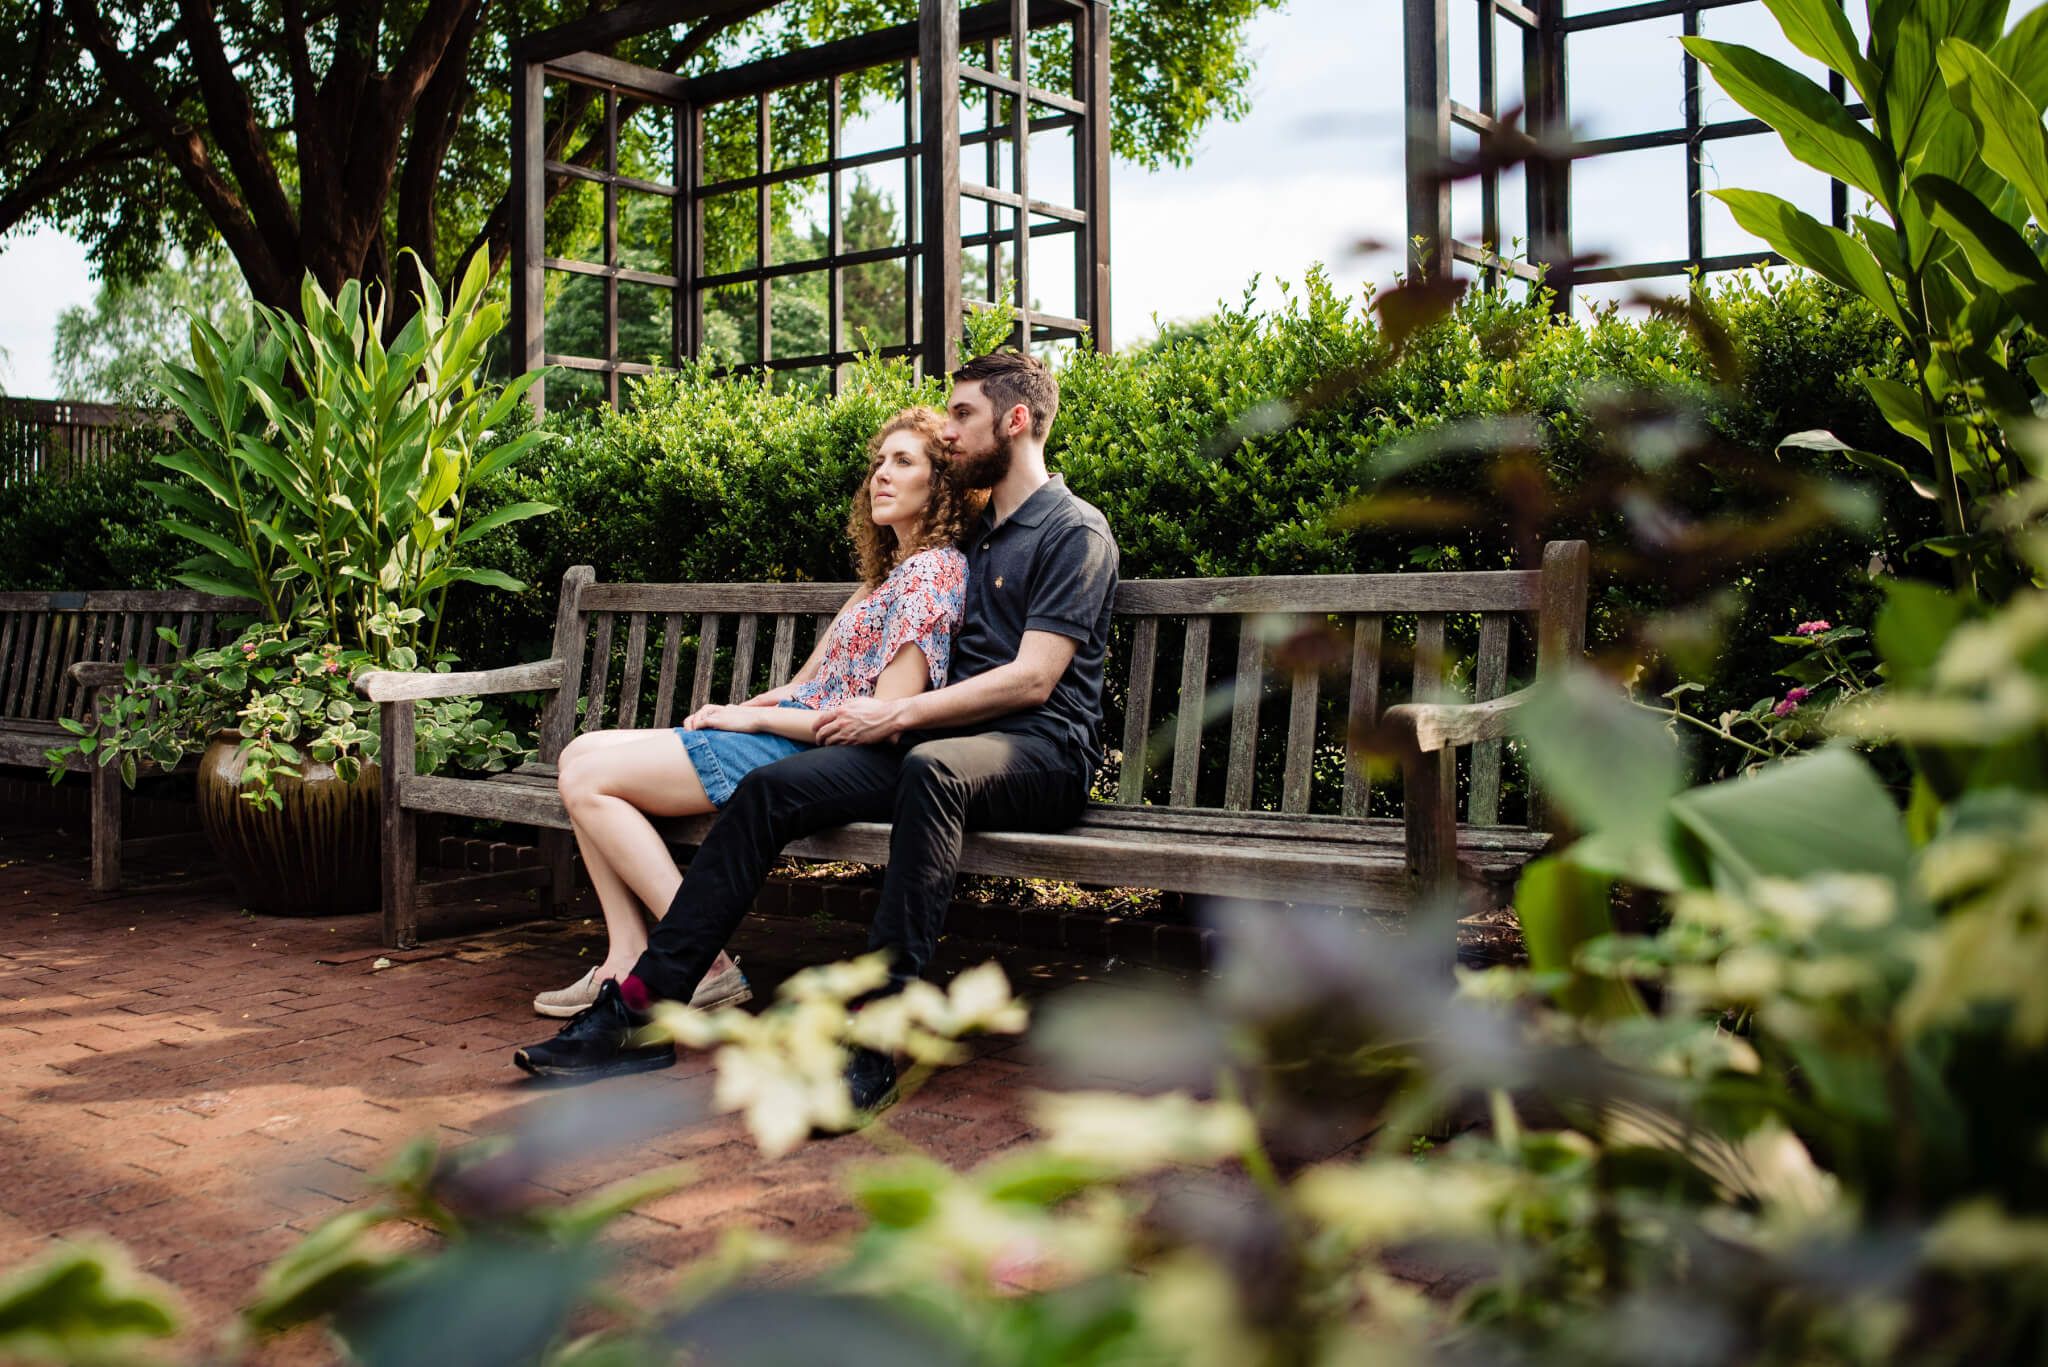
859, 721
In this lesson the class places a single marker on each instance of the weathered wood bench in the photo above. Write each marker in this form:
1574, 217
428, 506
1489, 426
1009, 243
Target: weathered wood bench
57, 650
1210, 833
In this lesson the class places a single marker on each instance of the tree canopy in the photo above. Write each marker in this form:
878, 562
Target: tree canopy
331, 135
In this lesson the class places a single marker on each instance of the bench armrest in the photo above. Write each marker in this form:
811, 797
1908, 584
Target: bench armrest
1447, 725
391, 685
96, 673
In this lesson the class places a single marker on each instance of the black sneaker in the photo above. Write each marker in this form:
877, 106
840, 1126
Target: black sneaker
870, 1084
604, 1039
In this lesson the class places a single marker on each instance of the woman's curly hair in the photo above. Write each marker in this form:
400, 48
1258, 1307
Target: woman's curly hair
952, 506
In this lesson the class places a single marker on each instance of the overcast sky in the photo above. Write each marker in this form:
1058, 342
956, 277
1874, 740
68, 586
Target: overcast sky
1314, 168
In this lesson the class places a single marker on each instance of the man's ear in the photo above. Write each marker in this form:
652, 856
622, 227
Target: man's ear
1017, 421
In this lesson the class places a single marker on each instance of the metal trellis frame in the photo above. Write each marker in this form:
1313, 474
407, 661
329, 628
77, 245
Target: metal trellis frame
927, 56
1545, 130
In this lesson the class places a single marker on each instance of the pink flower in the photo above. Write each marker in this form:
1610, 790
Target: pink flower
331, 667
1813, 628
248, 647
1785, 708
1798, 695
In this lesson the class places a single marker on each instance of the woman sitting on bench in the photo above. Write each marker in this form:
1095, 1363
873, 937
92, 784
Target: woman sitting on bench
891, 640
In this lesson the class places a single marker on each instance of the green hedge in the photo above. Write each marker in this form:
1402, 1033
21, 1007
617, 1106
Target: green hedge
716, 479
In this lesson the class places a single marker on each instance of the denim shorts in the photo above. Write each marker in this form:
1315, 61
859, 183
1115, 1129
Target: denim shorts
723, 758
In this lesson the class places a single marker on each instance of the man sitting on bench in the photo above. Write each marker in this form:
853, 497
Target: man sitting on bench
1008, 744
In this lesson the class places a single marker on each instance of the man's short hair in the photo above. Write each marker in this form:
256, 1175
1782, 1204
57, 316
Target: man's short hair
1010, 377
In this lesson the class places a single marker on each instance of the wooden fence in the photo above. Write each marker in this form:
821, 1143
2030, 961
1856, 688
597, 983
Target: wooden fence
55, 438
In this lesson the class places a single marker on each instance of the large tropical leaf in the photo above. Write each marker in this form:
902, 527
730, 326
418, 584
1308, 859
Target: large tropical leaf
1821, 30
2022, 54
2006, 120
1998, 255
1813, 124
1806, 241
514, 512
1823, 813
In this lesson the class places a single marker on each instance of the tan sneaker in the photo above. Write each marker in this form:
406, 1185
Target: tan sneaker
725, 988
567, 1001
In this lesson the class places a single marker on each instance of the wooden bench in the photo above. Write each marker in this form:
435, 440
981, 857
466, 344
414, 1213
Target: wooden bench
1244, 827
57, 650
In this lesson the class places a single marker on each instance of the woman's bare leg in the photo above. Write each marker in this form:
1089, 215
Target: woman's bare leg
611, 782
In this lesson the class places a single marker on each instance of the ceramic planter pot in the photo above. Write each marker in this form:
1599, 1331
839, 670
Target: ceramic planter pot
317, 855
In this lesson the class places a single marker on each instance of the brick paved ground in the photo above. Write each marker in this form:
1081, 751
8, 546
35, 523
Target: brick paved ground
206, 1086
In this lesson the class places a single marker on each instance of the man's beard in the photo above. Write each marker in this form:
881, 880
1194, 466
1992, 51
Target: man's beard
984, 469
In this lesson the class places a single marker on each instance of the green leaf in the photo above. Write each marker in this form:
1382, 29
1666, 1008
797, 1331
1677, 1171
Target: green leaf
493, 579
79, 1303
1821, 30
1610, 763
1900, 404
329, 1268
1997, 253
512, 512
1823, 813
1561, 906
1813, 123
2007, 120
2022, 54
1827, 441
901, 1194
1806, 241
1912, 627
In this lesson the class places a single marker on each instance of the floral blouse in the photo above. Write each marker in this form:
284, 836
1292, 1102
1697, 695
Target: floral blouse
918, 604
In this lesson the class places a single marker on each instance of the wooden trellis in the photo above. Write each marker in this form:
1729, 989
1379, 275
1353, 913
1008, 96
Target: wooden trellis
930, 59
1545, 30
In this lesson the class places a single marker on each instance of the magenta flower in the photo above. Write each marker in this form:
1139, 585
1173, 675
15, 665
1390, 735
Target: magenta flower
1813, 628
1785, 708
1798, 695
248, 647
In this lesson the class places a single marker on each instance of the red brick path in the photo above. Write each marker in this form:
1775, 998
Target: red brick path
205, 1086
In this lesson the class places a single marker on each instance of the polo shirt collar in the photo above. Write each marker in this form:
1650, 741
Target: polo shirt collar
1034, 509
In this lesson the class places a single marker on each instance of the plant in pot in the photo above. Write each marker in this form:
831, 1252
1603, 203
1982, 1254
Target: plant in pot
329, 479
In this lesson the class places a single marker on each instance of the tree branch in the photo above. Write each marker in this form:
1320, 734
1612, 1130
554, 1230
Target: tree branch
39, 73
434, 123
187, 153
233, 121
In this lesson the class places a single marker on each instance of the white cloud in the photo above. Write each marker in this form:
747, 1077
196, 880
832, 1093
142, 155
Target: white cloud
42, 273
1182, 242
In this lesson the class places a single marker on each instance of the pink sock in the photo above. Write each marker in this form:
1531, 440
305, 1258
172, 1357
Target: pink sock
634, 993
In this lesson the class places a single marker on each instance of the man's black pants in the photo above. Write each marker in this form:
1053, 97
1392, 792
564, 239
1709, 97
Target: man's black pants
932, 792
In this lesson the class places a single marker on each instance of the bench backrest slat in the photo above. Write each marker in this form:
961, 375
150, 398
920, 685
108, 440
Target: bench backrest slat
1187, 734
636, 660
600, 671
1489, 681
10, 634
782, 659
1301, 740
665, 686
1363, 708
1248, 686
30, 704
1138, 708
743, 659
707, 660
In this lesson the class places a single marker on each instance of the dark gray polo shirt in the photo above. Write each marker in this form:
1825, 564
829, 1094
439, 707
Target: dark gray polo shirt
1050, 566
